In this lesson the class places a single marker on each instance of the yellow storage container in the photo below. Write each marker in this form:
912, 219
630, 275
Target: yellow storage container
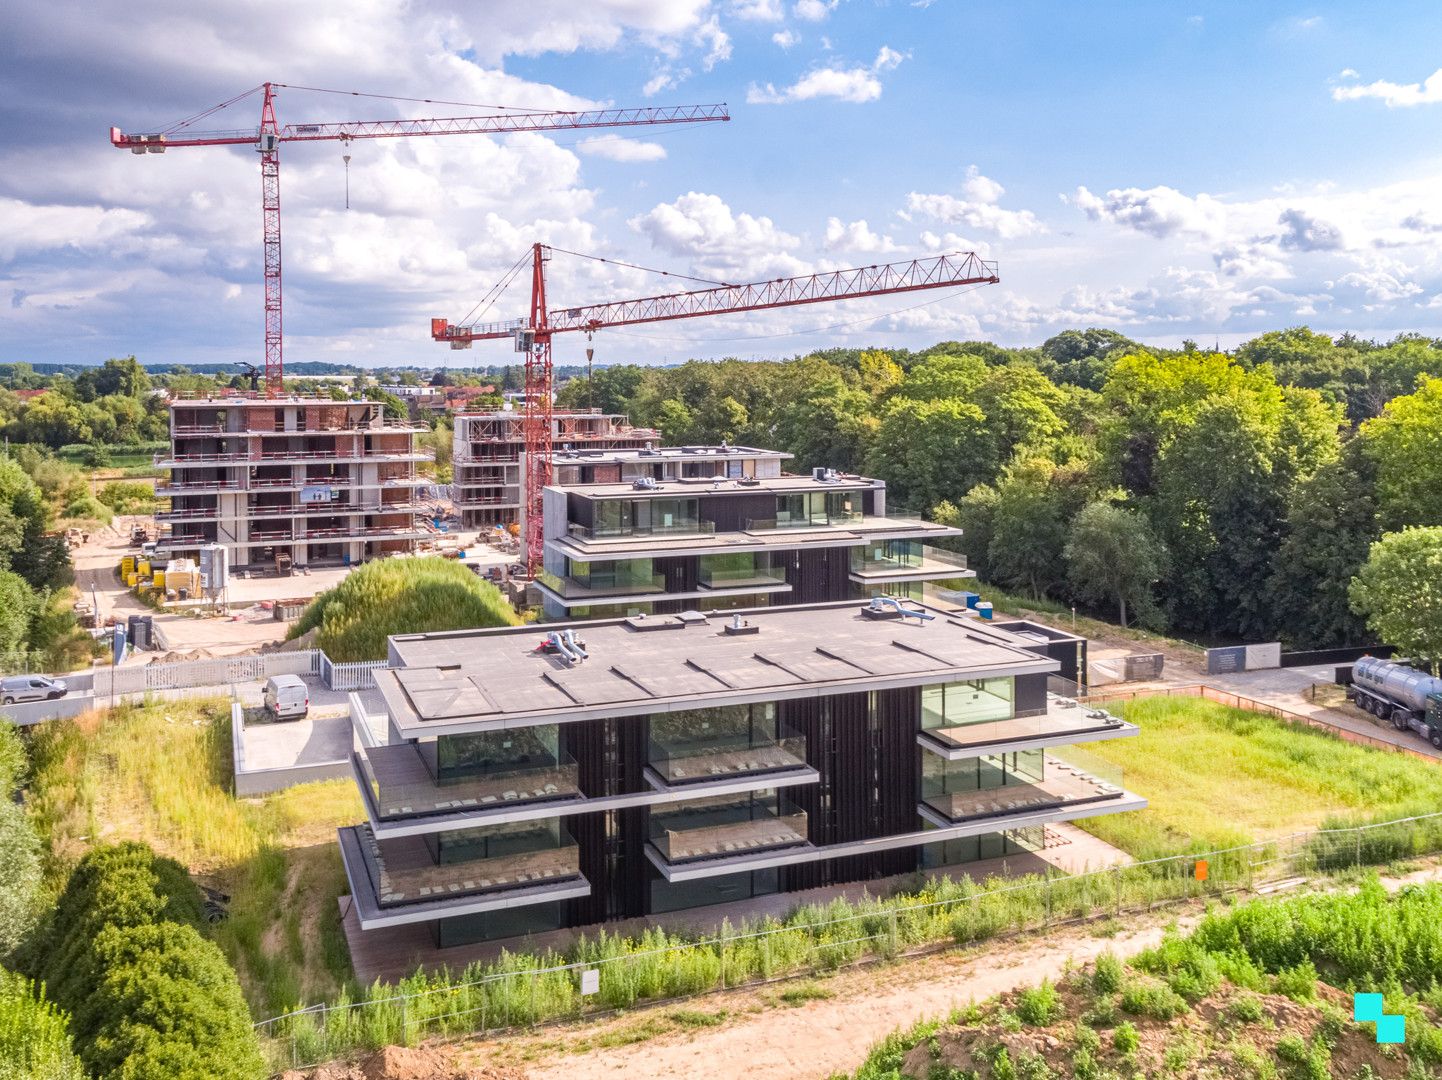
132, 580
160, 579
127, 565
143, 568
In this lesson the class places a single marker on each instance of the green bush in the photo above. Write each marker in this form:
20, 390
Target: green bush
166, 1004
1156, 1001
1039, 1005
1246, 1009
34, 1041
400, 596
1109, 974
1298, 983
128, 496
20, 878
1185, 965
1125, 1038
86, 507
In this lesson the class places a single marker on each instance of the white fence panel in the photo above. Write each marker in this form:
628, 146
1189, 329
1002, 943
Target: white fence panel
358, 675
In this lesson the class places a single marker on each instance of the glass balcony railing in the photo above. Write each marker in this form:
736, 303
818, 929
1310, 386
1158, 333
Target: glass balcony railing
1074, 779
401, 784
724, 755
925, 560
840, 519
404, 871
573, 589
675, 527
1061, 717
724, 826
740, 577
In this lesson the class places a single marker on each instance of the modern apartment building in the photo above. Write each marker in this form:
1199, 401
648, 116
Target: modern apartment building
529, 781
488, 457
314, 481
716, 527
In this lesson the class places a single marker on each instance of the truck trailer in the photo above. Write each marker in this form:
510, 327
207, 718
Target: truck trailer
1410, 699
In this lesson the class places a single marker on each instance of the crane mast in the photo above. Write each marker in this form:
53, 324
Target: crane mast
533, 334
270, 134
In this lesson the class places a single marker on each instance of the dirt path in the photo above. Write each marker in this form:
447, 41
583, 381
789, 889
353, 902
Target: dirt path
762, 1036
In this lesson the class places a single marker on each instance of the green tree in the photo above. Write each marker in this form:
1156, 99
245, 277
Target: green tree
126, 378
676, 423
944, 376
1035, 502
1399, 590
1405, 445
34, 1034
928, 451
1330, 525
1112, 556
1083, 357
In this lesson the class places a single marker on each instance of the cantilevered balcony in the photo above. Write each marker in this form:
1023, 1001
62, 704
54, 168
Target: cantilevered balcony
1063, 721
705, 758
399, 784
725, 826
882, 561
1062, 784
400, 881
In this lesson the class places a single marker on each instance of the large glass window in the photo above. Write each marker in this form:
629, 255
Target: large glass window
496, 925
986, 846
817, 508
940, 777
695, 732
496, 751
725, 825
972, 702
624, 517
887, 555
498, 841
669, 896
738, 569
618, 575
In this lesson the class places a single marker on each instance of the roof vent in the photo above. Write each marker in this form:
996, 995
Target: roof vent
644, 483
690, 618
738, 626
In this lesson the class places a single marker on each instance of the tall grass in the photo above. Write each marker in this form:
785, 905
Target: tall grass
400, 596
34, 1036
1216, 777
161, 773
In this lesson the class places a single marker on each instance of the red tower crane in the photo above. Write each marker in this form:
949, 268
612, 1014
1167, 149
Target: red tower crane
533, 334
269, 135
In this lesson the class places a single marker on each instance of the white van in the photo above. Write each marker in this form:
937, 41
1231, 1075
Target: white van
287, 697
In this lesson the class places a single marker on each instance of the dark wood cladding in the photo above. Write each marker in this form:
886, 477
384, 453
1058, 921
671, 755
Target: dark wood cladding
731, 512
864, 748
1030, 695
817, 575
680, 572
610, 755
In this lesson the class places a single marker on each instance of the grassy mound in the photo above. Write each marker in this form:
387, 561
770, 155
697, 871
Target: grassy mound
1216, 776
400, 596
1264, 990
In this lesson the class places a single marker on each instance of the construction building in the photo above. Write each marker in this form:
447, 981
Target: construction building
712, 527
488, 457
290, 480
526, 780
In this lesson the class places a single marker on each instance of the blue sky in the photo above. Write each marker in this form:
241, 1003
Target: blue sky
1167, 170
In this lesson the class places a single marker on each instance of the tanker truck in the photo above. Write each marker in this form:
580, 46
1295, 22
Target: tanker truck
1408, 698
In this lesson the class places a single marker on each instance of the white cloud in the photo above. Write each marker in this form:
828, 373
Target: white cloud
814, 10
1303, 232
616, 148
716, 41
1158, 211
978, 208
856, 236
785, 38
718, 241
664, 79
856, 84
758, 10
1347, 73
1393, 95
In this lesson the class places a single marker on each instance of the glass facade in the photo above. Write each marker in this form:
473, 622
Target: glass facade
940, 778
972, 702
973, 848
495, 925
739, 569
888, 555
726, 825
619, 576
629, 517
497, 751
712, 744
723, 889
811, 508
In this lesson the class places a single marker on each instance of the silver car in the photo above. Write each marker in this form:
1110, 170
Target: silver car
18, 688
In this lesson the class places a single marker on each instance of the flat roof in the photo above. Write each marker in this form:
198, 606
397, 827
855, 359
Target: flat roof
260, 401
667, 453
476, 680
853, 534
693, 485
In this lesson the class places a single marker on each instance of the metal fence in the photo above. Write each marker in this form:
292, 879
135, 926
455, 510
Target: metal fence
598, 975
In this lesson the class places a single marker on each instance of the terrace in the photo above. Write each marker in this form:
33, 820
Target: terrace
1063, 721
400, 784
704, 757
1063, 783
725, 826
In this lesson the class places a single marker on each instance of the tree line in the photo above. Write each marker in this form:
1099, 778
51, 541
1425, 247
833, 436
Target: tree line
1228, 495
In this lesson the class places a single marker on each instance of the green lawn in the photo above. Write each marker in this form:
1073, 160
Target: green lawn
1217, 776
161, 773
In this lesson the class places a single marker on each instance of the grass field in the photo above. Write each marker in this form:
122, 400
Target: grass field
1217, 776
161, 773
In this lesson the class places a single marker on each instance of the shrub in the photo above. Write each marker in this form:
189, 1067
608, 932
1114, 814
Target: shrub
166, 1005
1157, 1001
128, 496
20, 878
1039, 1005
1298, 983
88, 508
1246, 1009
34, 1042
1125, 1038
1108, 976
400, 596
